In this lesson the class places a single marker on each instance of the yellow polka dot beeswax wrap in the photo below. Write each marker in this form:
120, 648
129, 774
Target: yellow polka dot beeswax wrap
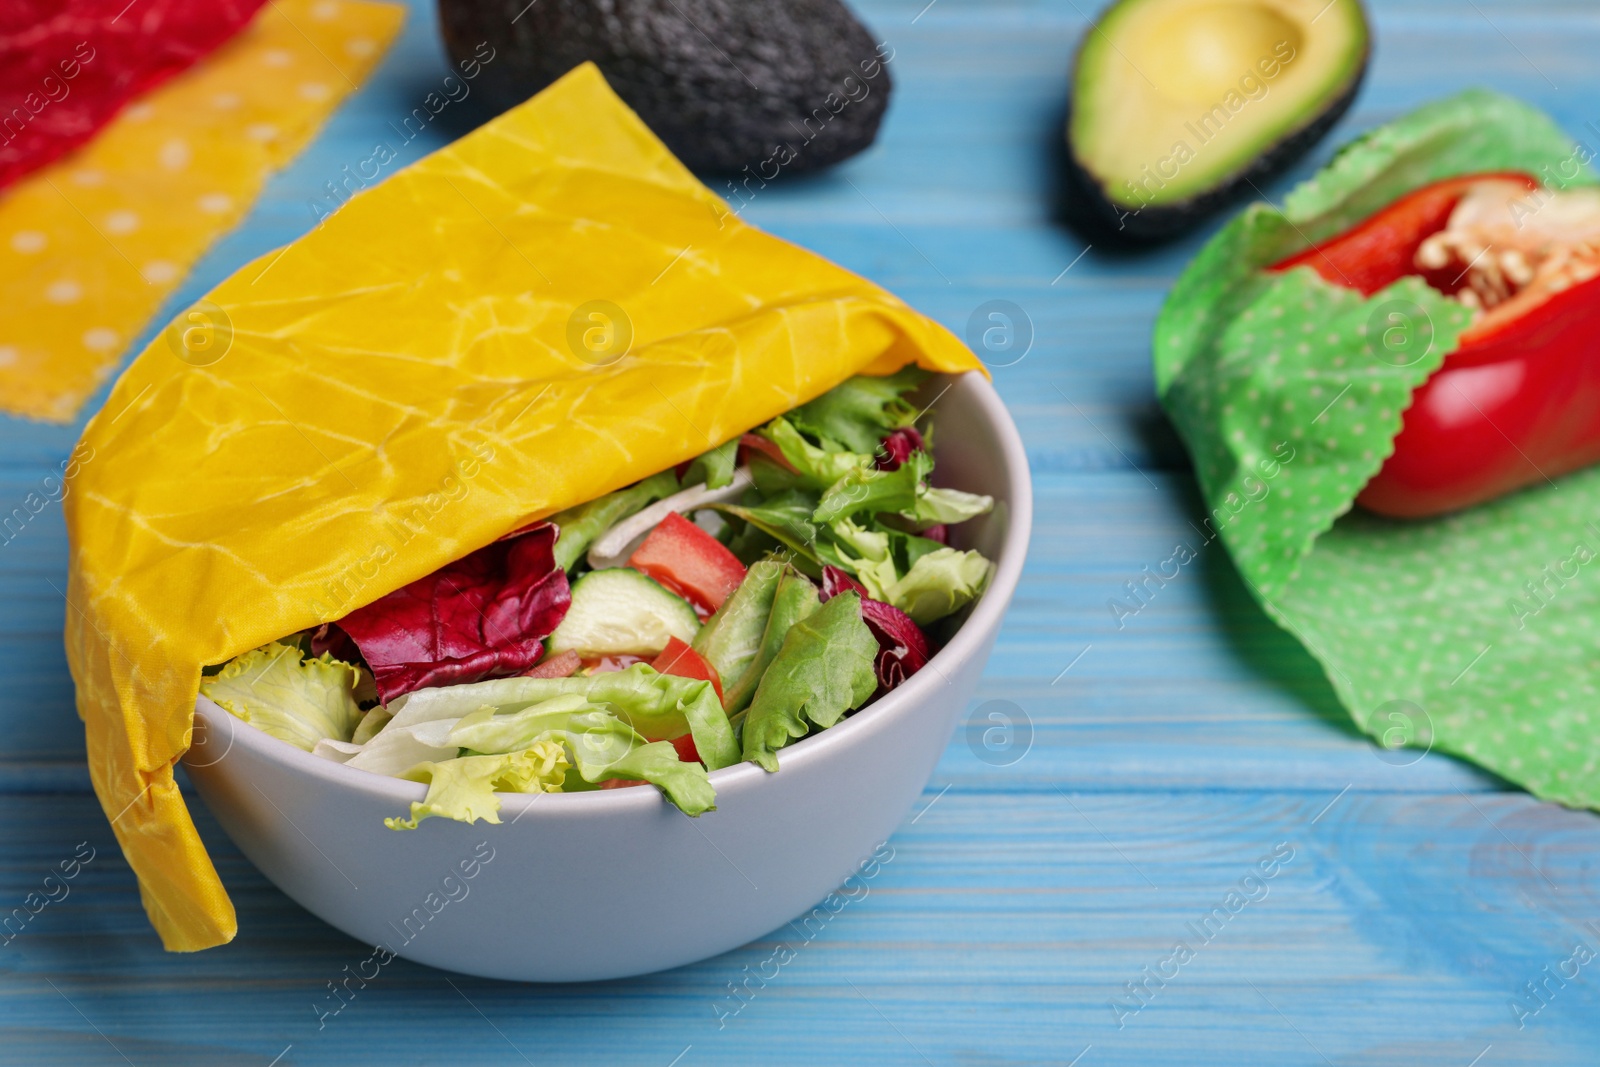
544, 311
92, 245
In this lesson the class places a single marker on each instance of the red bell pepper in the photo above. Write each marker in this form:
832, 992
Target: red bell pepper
1382, 250
1518, 400
689, 561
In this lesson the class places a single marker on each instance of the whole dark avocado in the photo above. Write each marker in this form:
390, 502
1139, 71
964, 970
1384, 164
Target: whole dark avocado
727, 84
1180, 106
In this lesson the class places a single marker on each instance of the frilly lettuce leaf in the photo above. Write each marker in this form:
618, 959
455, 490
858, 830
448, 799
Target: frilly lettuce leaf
598, 745
464, 788
903, 491
872, 490
857, 414
276, 689
824, 668
886, 563
938, 584
815, 468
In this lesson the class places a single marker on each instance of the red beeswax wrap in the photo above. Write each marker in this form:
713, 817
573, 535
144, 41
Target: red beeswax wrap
67, 68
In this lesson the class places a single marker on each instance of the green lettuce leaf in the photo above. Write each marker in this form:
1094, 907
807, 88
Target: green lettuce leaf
657, 705
276, 689
373, 721
906, 548
823, 669
771, 477
794, 599
715, 468
902, 492
858, 414
464, 788
582, 525
814, 468
598, 745
391, 752
871, 491
657, 762
937, 506
786, 518
865, 541
938, 584
486, 732
731, 638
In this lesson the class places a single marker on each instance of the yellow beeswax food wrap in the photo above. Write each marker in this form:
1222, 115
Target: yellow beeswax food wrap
1474, 633
545, 311
91, 245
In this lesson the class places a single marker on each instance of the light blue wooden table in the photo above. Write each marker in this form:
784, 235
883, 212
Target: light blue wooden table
1163, 760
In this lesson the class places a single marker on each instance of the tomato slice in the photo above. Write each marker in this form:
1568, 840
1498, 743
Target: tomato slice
679, 659
689, 561
686, 750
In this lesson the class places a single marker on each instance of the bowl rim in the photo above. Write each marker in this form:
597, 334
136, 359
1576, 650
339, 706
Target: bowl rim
986, 618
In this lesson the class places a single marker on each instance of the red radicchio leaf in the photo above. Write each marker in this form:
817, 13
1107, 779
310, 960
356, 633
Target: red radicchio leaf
897, 448
836, 581
902, 646
483, 616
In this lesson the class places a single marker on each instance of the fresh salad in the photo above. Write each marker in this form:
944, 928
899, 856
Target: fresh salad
708, 614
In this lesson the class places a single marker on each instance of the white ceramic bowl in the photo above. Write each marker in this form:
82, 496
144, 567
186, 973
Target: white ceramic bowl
582, 886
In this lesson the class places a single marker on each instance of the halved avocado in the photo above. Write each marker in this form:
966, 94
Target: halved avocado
1179, 106
732, 86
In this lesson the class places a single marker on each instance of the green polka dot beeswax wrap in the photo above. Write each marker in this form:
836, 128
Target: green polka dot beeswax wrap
1478, 632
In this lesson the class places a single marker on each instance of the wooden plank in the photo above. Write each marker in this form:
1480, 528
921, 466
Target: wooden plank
1168, 754
1395, 930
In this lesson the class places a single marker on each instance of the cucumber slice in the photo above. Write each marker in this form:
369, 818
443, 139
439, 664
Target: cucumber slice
620, 611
